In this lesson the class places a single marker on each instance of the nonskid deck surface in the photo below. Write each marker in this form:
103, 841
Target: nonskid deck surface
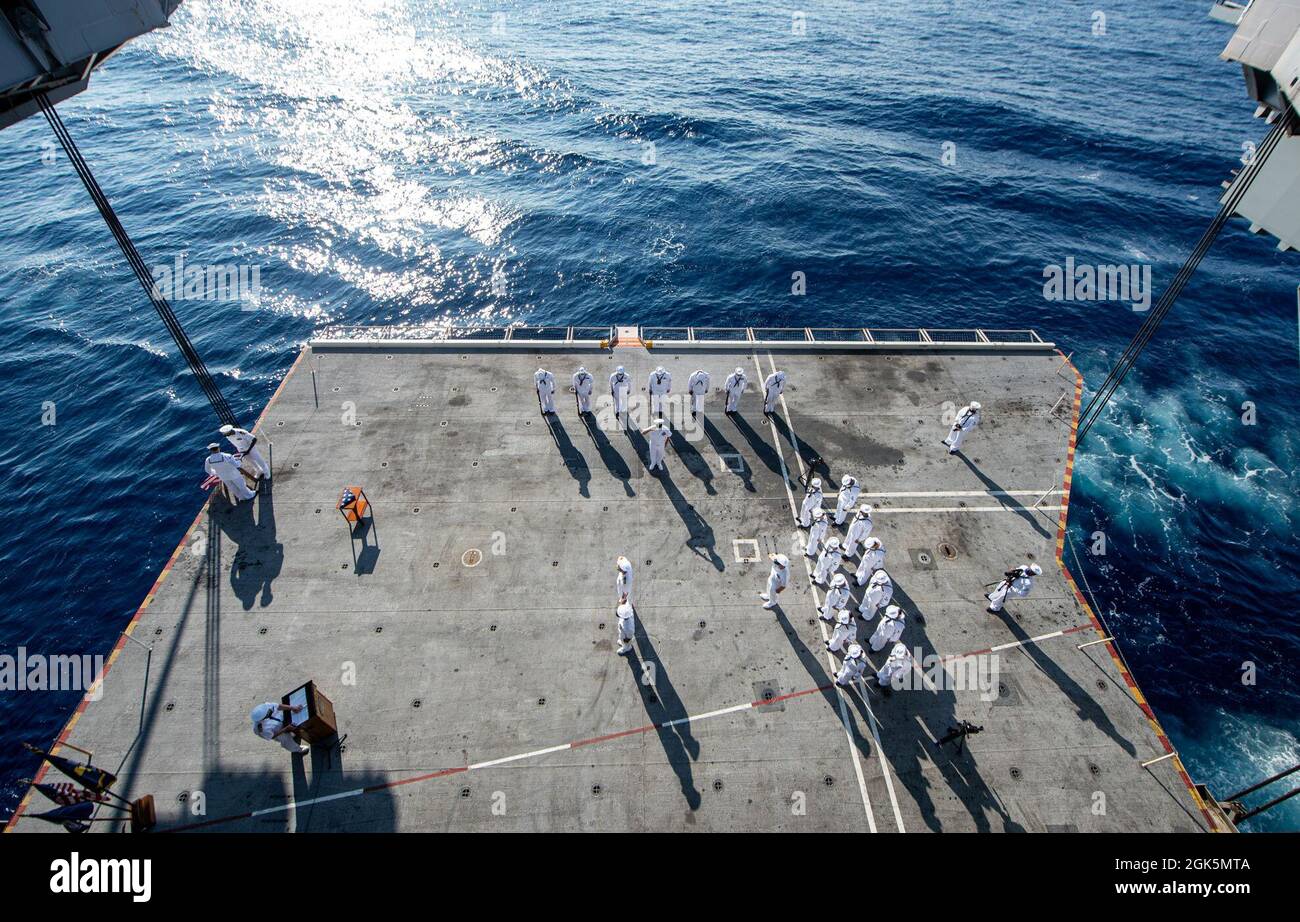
488, 696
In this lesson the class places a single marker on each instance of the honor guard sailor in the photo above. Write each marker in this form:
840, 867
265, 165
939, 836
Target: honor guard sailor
245, 442
890, 628
1015, 584
734, 387
849, 490
698, 386
968, 417
773, 388
583, 383
544, 381
660, 384
777, 579
226, 468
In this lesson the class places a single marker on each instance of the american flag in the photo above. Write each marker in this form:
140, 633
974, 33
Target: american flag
65, 793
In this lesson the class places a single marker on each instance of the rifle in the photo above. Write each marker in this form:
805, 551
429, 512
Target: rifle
959, 733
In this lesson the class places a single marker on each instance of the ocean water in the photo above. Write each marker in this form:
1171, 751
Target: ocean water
668, 163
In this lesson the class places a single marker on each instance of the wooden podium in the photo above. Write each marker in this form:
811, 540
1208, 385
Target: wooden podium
316, 722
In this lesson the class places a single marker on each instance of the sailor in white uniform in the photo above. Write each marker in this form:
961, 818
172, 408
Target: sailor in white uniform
849, 490
873, 559
777, 579
623, 583
244, 441
1015, 584
659, 385
226, 467
880, 590
846, 631
583, 383
734, 386
620, 385
817, 533
544, 381
968, 417
657, 435
828, 563
698, 386
626, 628
812, 501
896, 666
859, 530
855, 663
889, 630
837, 596
269, 723
773, 387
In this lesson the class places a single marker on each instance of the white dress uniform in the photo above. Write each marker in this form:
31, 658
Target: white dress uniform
898, 664
777, 579
623, 585
224, 466
859, 530
855, 663
817, 532
849, 490
620, 385
544, 381
734, 386
838, 596
243, 441
846, 631
1016, 587
967, 419
698, 386
812, 501
890, 628
773, 387
880, 591
659, 385
626, 628
268, 720
828, 563
873, 559
583, 383
658, 436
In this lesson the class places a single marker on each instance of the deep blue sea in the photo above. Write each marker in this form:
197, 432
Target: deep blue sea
381, 161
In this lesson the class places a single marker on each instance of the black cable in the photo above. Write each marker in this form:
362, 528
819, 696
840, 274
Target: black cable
1129, 357
133, 258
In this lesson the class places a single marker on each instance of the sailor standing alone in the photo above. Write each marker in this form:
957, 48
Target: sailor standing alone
968, 417
698, 386
773, 387
657, 435
734, 387
620, 385
777, 579
626, 628
659, 385
623, 582
1015, 584
544, 381
583, 382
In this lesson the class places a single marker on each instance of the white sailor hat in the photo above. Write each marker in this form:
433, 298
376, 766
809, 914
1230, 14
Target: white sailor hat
855, 650
833, 542
846, 480
899, 650
1035, 569
625, 610
865, 509
975, 405
839, 579
582, 369
213, 446
624, 564
842, 616
819, 513
618, 370
659, 370
874, 542
740, 371
781, 561
226, 429
893, 612
816, 483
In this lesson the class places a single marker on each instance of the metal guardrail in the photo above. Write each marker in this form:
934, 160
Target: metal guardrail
859, 338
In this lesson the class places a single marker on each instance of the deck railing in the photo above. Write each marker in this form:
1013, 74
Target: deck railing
860, 338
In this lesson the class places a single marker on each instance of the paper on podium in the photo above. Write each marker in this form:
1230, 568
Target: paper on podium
299, 698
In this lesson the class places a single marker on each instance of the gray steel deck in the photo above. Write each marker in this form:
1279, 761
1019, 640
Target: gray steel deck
512, 659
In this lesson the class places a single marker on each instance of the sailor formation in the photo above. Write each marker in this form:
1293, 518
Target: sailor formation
829, 553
